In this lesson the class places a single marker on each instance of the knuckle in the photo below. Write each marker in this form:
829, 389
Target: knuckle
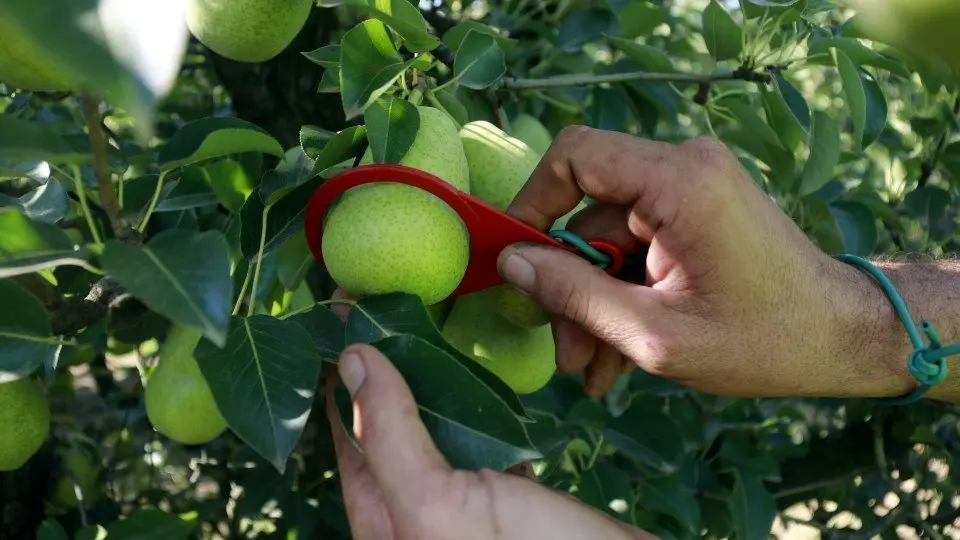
573, 133
708, 151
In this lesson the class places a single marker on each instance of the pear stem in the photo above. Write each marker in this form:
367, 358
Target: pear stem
101, 166
256, 273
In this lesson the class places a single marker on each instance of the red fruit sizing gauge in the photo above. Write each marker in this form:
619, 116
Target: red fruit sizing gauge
490, 229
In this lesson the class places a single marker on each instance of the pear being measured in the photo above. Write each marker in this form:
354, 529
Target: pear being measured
24, 64
500, 166
525, 359
389, 237
178, 399
24, 421
247, 30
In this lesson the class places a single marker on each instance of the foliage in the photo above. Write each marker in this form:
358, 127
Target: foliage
183, 200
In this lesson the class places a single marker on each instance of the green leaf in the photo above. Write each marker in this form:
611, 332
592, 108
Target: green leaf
229, 181
46, 203
377, 317
190, 190
313, 139
824, 154
51, 529
326, 329
263, 381
212, 137
22, 140
668, 495
472, 426
584, 26
857, 225
645, 433
369, 64
479, 61
295, 169
182, 275
392, 125
294, 258
24, 326
876, 119
129, 53
751, 506
723, 36
795, 102
345, 145
30, 246
606, 488
856, 51
453, 37
327, 56
608, 109
752, 122
150, 524
856, 101
930, 205
330, 81
444, 100
650, 58
404, 18
639, 18
284, 219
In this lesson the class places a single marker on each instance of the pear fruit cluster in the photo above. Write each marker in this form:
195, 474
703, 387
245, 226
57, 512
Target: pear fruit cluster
178, 399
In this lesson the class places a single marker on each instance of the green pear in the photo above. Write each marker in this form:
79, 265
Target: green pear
80, 465
24, 421
178, 399
499, 164
25, 65
247, 30
436, 149
531, 131
525, 359
922, 27
389, 237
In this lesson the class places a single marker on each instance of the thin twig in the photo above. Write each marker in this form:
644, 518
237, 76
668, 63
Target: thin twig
101, 166
561, 81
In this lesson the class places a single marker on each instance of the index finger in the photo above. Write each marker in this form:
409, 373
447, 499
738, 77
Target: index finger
610, 167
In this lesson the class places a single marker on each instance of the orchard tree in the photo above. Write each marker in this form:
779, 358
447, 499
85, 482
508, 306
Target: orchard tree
166, 330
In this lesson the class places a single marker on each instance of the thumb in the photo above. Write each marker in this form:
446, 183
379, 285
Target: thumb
397, 447
568, 286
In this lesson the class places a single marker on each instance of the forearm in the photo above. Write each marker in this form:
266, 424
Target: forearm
931, 291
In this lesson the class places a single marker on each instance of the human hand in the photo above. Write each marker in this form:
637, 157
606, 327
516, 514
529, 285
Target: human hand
737, 301
397, 485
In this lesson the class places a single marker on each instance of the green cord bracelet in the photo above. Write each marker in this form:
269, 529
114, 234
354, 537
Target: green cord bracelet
596, 256
927, 364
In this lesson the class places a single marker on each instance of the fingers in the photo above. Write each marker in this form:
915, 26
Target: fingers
398, 449
568, 286
365, 510
611, 167
575, 346
603, 371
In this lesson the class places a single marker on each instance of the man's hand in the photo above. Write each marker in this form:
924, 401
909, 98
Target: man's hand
398, 486
737, 300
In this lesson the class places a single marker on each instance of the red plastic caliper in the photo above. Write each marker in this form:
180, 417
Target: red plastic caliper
490, 229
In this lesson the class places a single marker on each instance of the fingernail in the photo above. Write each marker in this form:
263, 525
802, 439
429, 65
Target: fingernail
519, 272
352, 371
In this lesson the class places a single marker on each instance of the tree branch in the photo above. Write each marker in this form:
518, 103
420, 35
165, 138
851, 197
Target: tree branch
561, 81
77, 313
101, 166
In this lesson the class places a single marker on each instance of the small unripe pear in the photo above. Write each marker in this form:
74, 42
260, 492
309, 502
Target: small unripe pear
499, 164
178, 399
525, 359
24, 421
531, 131
247, 30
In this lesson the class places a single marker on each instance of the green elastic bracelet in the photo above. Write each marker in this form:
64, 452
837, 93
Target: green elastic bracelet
927, 364
595, 256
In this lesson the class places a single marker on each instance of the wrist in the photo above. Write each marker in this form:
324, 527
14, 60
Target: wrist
869, 338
